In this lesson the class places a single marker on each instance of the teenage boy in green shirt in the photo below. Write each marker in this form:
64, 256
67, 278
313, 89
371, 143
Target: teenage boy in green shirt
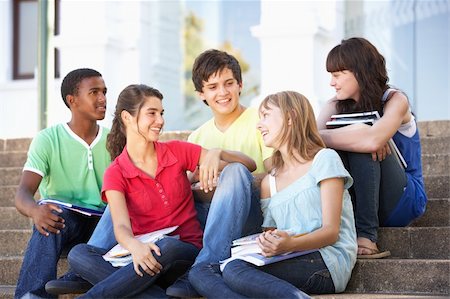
66, 162
234, 210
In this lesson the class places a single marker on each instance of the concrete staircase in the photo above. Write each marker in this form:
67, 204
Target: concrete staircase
418, 268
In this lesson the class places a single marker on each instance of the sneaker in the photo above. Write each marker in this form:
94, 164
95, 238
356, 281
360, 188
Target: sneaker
182, 288
69, 283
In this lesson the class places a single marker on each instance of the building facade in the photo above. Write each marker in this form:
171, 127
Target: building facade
141, 42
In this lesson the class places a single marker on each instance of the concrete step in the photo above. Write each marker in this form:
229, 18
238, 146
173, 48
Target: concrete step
12, 159
7, 194
436, 175
437, 186
433, 163
408, 242
10, 218
391, 276
377, 296
14, 153
14, 242
403, 242
435, 145
436, 164
437, 213
10, 268
10, 176
434, 128
401, 275
7, 292
15, 145
16, 158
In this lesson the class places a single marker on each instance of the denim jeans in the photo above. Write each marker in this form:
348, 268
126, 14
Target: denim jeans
111, 282
377, 188
42, 254
103, 235
233, 212
291, 278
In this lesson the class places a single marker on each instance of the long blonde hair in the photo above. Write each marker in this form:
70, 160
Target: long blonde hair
302, 136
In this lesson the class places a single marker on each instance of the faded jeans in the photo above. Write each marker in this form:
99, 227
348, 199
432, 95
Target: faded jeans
377, 188
42, 254
292, 278
233, 212
124, 282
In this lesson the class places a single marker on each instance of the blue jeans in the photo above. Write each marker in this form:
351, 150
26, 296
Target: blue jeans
103, 235
42, 254
377, 188
291, 278
233, 212
111, 282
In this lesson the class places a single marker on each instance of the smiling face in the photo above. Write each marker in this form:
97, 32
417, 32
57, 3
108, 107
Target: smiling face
345, 84
90, 99
270, 125
148, 122
221, 92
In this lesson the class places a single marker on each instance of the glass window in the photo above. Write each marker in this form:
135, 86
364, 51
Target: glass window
25, 44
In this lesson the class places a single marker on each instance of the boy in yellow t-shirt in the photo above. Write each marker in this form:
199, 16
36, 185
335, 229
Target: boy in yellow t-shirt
234, 210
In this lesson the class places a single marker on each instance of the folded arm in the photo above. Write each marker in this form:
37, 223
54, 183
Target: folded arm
363, 138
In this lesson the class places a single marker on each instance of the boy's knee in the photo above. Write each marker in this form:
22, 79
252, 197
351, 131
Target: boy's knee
235, 167
236, 170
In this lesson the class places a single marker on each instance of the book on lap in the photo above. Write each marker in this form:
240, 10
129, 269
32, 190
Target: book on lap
369, 118
247, 249
85, 210
118, 256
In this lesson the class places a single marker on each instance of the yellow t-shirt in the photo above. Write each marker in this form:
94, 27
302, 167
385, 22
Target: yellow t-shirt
241, 136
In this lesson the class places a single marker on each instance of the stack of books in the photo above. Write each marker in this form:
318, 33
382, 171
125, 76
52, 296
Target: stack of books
369, 118
340, 120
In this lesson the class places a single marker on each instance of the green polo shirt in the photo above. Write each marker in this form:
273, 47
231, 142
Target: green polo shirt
72, 170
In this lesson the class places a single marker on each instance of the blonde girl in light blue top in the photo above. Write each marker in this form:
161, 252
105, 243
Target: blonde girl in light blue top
305, 193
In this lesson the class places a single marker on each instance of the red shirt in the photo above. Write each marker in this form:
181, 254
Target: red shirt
163, 201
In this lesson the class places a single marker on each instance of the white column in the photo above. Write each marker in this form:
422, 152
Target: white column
295, 39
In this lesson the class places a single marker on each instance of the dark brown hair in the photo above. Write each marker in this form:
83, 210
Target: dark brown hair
360, 57
211, 62
131, 99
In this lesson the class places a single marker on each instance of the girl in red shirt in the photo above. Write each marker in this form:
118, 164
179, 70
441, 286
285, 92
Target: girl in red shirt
147, 189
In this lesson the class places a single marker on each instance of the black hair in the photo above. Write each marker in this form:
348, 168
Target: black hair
71, 81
